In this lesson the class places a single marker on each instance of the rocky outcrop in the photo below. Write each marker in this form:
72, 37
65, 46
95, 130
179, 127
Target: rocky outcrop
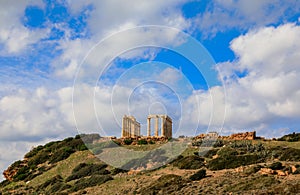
242, 136
12, 170
236, 136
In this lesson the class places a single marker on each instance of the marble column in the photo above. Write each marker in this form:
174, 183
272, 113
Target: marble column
156, 126
149, 127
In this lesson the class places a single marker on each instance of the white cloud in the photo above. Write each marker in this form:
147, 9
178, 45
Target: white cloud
35, 115
104, 22
222, 15
13, 35
109, 15
267, 97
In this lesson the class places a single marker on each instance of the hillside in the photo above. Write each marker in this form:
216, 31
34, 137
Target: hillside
229, 167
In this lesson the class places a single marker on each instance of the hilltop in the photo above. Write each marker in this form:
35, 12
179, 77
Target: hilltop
229, 166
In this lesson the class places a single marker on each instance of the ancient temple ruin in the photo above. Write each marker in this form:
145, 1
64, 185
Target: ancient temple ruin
130, 127
165, 125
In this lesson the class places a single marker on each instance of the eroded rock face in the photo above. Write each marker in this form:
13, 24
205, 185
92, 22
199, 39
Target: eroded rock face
9, 174
12, 170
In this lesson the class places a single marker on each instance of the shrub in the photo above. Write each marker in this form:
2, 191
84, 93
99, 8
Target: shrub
227, 152
252, 169
51, 181
68, 139
253, 183
33, 152
209, 153
151, 142
16, 164
90, 182
142, 142
83, 170
294, 137
166, 184
219, 143
155, 157
198, 175
197, 143
40, 158
22, 173
232, 161
127, 141
290, 154
189, 162
61, 154
4, 183
276, 166
115, 171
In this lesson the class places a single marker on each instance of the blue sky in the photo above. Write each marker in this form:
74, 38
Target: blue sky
52, 56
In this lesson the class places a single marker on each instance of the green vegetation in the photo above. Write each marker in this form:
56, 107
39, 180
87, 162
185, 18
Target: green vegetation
198, 175
258, 182
189, 162
155, 157
294, 137
234, 161
166, 184
142, 142
91, 181
83, 170
276, 166
128, 141
63, 167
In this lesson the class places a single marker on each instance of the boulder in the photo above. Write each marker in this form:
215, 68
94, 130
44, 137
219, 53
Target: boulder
266, 171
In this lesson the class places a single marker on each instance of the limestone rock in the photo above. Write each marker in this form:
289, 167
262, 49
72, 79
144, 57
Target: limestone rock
266, 171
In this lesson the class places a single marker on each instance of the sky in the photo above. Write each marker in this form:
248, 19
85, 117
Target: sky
69, 67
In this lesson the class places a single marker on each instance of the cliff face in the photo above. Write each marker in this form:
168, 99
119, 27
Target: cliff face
13, 169
10, 173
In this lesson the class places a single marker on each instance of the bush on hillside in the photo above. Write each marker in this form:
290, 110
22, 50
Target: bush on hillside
198, 175
294, 137
166, 184
189, 162
83, 170
142, 142
232, 161
127, 141
94, 180
276, 166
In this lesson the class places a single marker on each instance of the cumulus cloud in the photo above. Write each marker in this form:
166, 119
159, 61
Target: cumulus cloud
28, 115
13, 35
266, 97
221, 15
104, 22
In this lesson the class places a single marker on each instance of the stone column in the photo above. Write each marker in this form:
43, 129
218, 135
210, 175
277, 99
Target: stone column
162, 126
122, 127
128, 128
148, 127
156, 126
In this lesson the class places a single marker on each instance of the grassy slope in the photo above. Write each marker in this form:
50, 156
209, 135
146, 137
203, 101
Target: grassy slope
216, 182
